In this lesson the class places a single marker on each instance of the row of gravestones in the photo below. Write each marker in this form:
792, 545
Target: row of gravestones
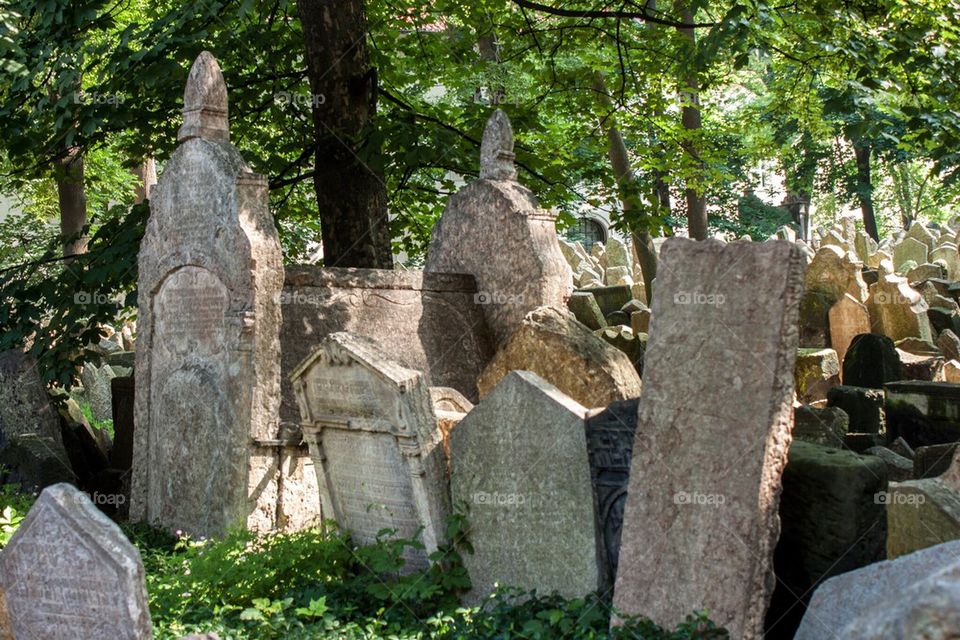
699, 505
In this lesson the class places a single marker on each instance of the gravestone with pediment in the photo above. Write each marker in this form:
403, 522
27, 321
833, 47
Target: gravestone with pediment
69, 573
713, 429
375, 443
208, 364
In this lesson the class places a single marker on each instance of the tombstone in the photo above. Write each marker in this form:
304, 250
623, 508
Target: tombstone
420, 319
853, 604
610, 435
848, 319
96, 389
897, 311
909, 250
701, 511
835, 272
375, 443
864, 407
949, 255
871, 361
815, 372
497, 216
519, 461
69, 572
923, 513
919, 232
922, 412
926, 271
864, 246
617, 254
554, 345
208, 364
31, 446
584, 306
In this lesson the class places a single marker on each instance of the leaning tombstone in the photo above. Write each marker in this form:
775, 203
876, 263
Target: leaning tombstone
69, 573
498, 216
848, 318
519, 461
31, 445
700, 523
376, 446
208, 367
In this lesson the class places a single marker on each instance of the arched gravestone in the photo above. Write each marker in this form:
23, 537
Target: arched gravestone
69, 573
208, 369
375, 443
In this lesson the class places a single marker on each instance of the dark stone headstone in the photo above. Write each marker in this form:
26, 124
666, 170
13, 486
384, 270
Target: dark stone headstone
121, 457
923, 413
863, 405
612, 298
860, 442
933, 460
584, 307
830, 523
825, 426
610, 435
871, 361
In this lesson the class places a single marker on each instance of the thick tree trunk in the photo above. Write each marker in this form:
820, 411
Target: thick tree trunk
73, 202
691, 121
865, 189
620, 162
351, 194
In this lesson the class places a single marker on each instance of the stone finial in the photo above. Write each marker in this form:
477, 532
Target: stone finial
496, 149
205, 102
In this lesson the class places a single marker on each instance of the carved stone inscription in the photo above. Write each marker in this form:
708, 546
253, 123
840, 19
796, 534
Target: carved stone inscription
70, 573
193, 303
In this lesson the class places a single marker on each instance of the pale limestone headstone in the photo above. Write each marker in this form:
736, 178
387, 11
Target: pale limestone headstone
208, 361
896, 310
375, 442
909, 249
497, 216
69, 573
950, 256
848, 318
864, 246
701, 521
553, 344
919, 231
519, 462
923, 513
835, 272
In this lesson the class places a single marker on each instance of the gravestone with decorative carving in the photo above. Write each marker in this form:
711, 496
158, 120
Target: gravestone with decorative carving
208, 367
375, 442
69, 573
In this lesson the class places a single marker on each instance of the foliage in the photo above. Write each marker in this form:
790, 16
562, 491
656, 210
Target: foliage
55, 307
14, 506
100, 425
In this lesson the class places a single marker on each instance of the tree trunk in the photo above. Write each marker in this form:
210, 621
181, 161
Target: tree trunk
865, 189
146, 180
691, 121
351, 194
619, 160
73, 202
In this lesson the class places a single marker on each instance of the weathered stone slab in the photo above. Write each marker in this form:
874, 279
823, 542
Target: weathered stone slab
610, 436
923, 413
69, 573
31, 448
832, 522
864, 407
897, 311
871, 594
712, 434
848, 318
430, 322
208, 366
826, 426
909, 250
923, 513
816, 371
553, 344
519, 460
497, 216
375, 443
871, 361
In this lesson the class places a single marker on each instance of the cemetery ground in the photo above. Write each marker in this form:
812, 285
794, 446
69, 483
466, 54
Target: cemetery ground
476, 322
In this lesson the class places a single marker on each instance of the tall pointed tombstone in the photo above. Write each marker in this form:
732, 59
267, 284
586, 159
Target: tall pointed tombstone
713, 429
208, 368
498, 216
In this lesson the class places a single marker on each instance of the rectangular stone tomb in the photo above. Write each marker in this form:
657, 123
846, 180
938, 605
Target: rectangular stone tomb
374, 439
700, 523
